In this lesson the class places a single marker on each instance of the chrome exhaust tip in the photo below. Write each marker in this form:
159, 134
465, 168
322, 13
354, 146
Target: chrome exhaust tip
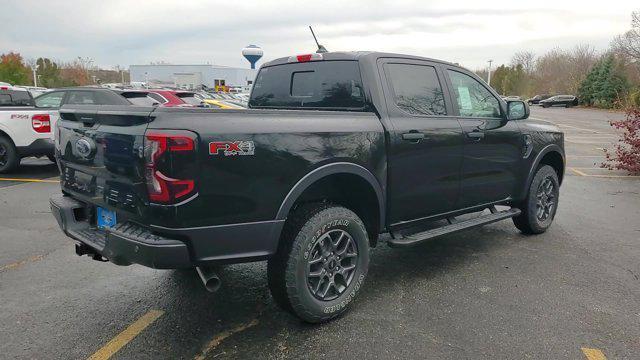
210, 278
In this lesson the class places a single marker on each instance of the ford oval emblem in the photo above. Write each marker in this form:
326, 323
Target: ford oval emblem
84, 147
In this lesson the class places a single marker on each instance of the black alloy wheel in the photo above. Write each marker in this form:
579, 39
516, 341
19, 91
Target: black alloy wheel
332, 264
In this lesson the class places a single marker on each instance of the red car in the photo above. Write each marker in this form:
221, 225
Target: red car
167, 98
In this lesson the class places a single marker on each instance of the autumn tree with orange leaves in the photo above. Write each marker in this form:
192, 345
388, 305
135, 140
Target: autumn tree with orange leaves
13, 70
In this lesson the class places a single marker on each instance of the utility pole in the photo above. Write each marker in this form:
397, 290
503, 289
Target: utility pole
489, 73
35, 76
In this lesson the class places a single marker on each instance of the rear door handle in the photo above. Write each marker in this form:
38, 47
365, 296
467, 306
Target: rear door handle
475, 135
413, 136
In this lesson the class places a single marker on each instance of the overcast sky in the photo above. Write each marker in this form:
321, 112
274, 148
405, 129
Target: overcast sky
469, 32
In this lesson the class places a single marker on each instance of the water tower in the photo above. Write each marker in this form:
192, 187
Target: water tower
253, 54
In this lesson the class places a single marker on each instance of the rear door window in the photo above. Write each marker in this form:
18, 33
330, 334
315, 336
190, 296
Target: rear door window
416, 89
323, 85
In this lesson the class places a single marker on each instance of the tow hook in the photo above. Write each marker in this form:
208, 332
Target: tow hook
82, 249
209, 278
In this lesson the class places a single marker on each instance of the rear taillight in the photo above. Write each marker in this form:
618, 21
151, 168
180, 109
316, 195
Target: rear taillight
167, 171
41, 123
305, 57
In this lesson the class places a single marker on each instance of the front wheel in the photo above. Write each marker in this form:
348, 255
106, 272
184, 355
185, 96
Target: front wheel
541, 204
321, 264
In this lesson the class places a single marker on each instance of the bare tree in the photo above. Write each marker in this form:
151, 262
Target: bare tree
525, 58
583, 57
629, 42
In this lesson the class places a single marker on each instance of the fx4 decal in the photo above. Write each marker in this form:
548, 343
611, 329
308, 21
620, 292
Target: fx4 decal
231, 148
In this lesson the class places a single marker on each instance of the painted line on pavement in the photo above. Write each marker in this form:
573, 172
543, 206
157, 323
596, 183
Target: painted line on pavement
126, 335
213, 343
582, 173
29, 180
578, 172
17, 264
593, 354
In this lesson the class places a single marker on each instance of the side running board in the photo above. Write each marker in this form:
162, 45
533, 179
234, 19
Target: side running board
414, 239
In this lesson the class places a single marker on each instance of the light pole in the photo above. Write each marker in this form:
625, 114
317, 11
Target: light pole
489, 74
35, 76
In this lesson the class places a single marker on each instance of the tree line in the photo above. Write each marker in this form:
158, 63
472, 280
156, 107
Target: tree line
607, 79
51, 74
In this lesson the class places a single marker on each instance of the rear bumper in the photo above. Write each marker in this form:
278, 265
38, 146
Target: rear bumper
128, 243
38, 147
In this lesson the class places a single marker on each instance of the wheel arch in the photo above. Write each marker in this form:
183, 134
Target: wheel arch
336, 182
6, 134
551, 155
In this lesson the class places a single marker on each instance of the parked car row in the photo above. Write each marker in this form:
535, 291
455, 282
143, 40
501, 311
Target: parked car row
547, 100
26, 121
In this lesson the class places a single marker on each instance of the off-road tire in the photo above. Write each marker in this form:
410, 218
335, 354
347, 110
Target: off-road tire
288, 269
9, 159
528, 221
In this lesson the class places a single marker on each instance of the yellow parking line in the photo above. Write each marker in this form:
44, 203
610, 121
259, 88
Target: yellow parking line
593, 354
615, 176
29, 180
581, 173
578, 172
17, 264
213, 343
126, 335
223, 105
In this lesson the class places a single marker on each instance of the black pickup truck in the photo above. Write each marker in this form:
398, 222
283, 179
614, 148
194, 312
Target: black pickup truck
335, 149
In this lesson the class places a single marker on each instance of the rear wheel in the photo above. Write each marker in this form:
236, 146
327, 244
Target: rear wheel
321, 264
9, 159
541, 204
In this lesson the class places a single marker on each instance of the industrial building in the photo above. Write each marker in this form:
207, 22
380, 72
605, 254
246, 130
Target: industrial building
220, 78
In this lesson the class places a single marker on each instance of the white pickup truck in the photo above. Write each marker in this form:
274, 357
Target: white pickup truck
26, 124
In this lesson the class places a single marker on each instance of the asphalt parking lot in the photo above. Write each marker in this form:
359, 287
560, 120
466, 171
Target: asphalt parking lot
571, 293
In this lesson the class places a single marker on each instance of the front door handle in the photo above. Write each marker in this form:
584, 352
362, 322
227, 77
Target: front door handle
475, 135
413, 136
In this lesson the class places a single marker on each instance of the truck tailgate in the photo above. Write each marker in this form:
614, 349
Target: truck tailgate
101, 152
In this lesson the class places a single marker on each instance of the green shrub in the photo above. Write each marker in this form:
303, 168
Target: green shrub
634, 98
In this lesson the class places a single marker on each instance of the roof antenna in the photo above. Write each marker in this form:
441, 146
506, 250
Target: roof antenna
321, 49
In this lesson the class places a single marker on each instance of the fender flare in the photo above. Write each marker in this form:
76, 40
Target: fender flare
547, 149
326, 170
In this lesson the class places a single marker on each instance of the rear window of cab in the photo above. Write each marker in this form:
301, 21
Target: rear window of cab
321, 85
15, 98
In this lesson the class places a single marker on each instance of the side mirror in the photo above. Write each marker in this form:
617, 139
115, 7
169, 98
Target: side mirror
517, 110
